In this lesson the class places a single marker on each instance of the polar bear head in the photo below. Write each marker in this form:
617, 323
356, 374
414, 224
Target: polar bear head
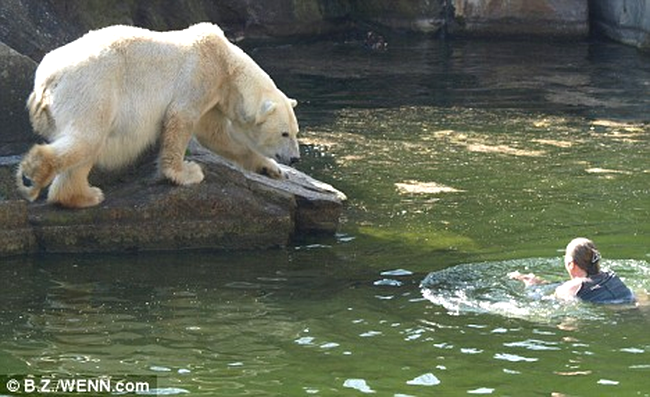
272, 128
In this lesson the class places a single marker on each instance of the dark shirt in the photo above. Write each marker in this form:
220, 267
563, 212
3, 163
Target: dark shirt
605, 287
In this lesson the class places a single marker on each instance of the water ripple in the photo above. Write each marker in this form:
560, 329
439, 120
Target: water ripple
532, 344
427, 379
358, 384
485, 288
514, 358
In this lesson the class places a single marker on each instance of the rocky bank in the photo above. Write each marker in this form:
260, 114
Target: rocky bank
232, 208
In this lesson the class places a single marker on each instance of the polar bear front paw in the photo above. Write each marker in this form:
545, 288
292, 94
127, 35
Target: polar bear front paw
271, 169
189, 174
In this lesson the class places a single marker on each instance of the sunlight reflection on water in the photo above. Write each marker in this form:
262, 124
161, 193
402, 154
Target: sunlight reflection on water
478, 151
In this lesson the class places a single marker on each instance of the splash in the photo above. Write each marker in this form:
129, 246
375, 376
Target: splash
486, 288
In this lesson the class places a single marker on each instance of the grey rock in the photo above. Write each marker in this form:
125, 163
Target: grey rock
624, 21
16, 80
230, 209
16, 235
413, 16
522, 17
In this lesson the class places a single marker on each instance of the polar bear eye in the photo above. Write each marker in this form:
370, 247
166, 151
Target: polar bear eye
285, 135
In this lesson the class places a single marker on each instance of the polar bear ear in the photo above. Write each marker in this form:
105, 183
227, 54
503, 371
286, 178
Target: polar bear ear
268, 107
293, 102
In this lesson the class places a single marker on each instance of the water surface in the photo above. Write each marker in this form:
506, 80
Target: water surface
471, 159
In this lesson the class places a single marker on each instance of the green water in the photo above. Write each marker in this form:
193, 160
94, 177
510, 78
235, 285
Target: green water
474, 159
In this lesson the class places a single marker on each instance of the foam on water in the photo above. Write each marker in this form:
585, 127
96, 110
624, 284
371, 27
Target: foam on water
486, 288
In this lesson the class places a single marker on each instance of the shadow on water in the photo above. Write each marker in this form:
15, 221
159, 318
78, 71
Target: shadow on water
592, 79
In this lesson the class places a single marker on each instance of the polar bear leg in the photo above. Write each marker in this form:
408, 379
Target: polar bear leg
175, 138
214, 135
43, 162
70, 189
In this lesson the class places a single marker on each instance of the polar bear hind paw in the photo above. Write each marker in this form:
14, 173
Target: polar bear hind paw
27, 188
36, 170
91, 197
189, 174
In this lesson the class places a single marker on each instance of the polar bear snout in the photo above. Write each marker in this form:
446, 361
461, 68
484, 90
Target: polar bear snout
289, 154
291, 160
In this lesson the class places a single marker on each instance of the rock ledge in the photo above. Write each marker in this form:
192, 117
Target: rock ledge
230, 209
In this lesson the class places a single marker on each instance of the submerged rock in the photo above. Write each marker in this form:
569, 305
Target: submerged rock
230, 209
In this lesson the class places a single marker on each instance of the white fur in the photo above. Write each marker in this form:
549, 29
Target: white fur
104, 98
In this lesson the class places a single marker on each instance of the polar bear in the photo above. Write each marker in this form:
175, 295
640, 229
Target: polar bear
103, 99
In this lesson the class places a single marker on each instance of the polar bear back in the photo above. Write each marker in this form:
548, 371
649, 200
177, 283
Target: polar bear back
115, 84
